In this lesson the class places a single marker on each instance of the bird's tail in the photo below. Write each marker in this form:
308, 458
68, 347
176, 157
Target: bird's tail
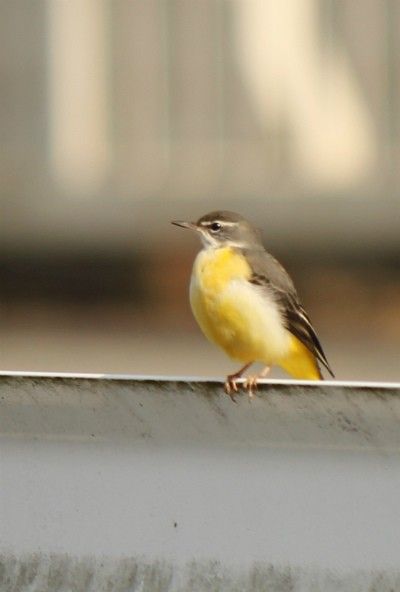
300, 362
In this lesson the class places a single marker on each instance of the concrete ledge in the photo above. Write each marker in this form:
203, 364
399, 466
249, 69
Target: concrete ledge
191, 411
152, 484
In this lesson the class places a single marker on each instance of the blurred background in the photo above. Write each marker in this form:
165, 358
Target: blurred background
118, 116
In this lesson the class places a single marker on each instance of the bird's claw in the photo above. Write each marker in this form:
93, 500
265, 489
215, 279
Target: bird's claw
250, 385
231, 387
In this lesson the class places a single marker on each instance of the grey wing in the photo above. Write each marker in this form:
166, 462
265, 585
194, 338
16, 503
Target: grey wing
268, 272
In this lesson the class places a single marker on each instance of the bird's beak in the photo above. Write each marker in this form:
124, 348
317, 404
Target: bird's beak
190, 225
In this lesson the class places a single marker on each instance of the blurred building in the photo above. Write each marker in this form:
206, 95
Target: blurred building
118, 116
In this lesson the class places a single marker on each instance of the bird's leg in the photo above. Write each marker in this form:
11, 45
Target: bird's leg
251, 382
230, 385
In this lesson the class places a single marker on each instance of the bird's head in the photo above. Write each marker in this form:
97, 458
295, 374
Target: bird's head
224, 229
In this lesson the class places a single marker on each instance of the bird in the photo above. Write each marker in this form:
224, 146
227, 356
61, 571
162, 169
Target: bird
246, 303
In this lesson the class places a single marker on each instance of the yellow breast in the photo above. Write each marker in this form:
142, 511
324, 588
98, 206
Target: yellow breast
233, 313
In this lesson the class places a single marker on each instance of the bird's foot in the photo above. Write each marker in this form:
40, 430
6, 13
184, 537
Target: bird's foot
251, 382
231, 387
231, 383
250, 385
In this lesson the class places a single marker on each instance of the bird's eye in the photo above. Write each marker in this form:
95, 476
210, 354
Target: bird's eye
215, 227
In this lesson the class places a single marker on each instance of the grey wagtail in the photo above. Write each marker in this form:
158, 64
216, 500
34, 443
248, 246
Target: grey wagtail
245, 302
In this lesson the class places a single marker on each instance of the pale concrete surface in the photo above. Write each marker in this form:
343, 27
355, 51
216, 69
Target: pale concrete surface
154, 485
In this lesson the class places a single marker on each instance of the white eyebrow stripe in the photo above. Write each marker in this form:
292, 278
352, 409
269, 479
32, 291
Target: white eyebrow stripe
222, 222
